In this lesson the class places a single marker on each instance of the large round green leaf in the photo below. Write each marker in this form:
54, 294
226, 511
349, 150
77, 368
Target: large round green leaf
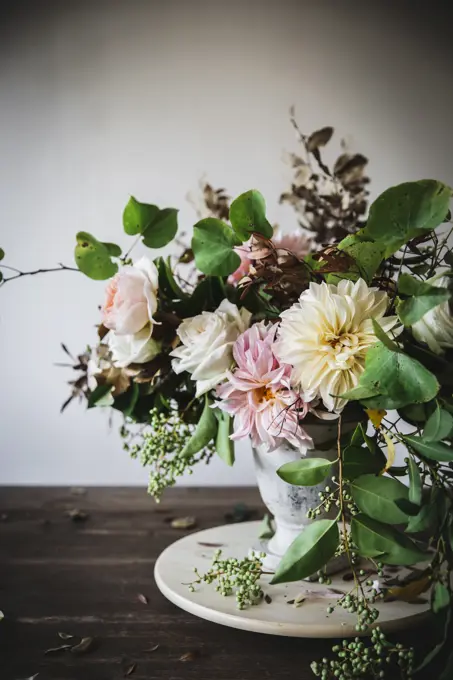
305, 472
248, 215
433, 450
376, 496
138, 216
213, 245
406, 211
377, 540
309, 552
93, 258
162, 229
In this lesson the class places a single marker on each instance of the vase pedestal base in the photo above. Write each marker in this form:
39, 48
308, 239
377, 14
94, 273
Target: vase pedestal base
276, 615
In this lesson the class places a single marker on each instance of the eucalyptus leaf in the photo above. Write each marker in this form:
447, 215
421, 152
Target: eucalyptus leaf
376, 496
205, 430
224, 446
406, 211
438, 426
367, 255
432, 450
415, 482
162, 229
309, 552
423, 298
305, 472
248, 215
138, 216
375, 539
93, 258
213, 245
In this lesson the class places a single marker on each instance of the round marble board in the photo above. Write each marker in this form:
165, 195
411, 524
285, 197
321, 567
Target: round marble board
174, 569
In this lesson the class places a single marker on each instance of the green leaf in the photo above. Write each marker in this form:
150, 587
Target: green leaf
204, 432
309, 552
305, 472
423, 298
138, 216
440, 598
415, 482
395, 378
266, 528
438, 426
162, 229
248, 215
127, 401
93, 258
423, 521
374, 539
405, 211
368, 256
383, 337
224, 446
167, 282
357, 462
113, 249
100, 396
376, 496
2, 254
212, 243
432, 450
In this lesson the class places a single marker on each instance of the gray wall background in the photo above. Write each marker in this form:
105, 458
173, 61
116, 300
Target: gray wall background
102, 99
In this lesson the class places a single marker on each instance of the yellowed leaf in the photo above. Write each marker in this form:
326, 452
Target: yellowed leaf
410, 592
376, 415
390, 452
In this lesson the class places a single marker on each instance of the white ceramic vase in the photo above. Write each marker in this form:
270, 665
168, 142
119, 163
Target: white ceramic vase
287, 503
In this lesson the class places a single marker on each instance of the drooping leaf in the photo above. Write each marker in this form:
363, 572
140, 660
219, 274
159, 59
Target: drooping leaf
423, 298
376, 496
357, 461
438, 426
224, 446
212, 243
138, 216
167, 283
266, 528
376, 416
375, 539
440, 597
93, 258
205, 431
309, 552
162, 228
415, 482
432, 450
248, 215
305, 472
405, 211
391, 453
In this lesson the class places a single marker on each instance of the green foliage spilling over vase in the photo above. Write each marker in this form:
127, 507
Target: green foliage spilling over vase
248, 334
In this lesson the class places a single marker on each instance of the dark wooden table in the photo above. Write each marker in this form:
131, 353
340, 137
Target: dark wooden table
93, 577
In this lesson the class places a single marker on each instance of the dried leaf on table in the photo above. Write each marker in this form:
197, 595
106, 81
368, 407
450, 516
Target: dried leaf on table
190, 656
142, 598
57, 650
130, 669
210, 545
267, 598
183, 523
65, 636
151, 649
77, 515
84, 647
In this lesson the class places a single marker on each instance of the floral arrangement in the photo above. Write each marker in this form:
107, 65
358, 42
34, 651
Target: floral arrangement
249, 335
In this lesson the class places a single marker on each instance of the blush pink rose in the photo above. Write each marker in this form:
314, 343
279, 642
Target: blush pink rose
131, 298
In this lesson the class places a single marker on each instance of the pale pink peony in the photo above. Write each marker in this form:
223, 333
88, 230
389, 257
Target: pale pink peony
259, 396
131, 298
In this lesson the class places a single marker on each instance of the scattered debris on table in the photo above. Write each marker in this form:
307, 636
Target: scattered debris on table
183, 523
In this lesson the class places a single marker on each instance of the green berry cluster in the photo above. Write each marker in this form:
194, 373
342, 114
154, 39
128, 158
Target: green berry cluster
234, 576
360, 604
160, 448
365, 659
330, 498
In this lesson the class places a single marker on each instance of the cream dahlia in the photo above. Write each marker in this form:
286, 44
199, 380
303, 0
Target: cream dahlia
326, 335
259, 396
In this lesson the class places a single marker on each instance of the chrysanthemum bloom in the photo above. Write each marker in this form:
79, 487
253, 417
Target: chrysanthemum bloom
326, 335
259, 395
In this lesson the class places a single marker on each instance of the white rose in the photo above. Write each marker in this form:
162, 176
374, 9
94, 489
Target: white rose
132, 349
436, 326
206, 344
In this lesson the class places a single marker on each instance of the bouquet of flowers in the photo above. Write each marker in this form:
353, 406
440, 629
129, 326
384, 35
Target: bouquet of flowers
248, 335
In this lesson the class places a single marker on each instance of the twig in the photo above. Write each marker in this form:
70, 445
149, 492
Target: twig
60, 268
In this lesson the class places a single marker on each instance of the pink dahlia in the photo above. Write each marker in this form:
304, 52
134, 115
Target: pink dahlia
259, 395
